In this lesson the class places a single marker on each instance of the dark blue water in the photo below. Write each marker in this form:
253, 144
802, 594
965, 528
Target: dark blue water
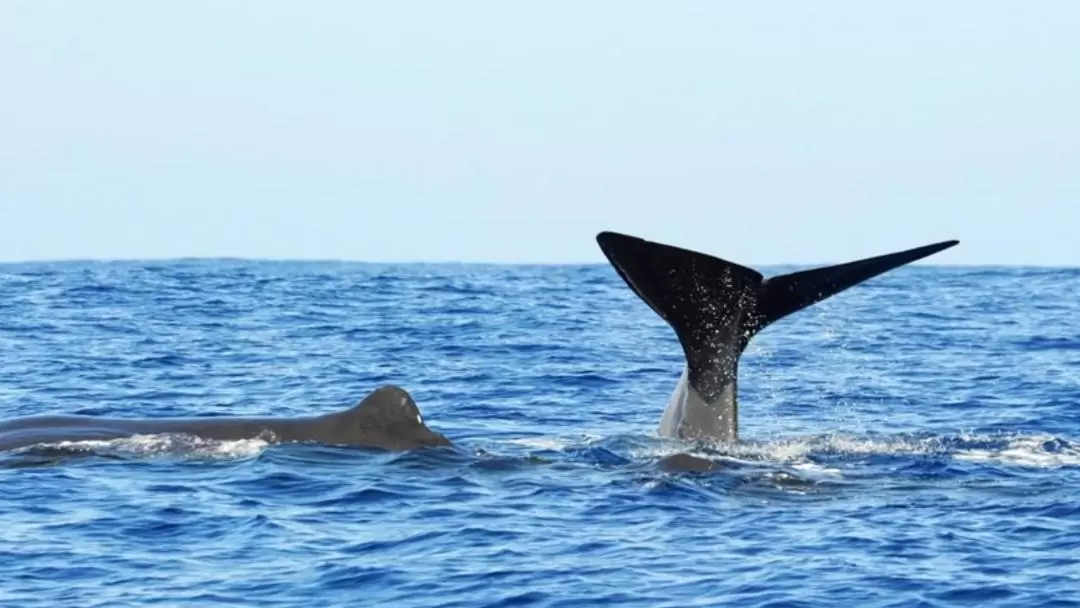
914, 441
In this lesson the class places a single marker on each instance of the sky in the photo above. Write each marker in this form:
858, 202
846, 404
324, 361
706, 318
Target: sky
762, 132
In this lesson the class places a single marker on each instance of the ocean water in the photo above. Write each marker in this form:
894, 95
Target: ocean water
914, 441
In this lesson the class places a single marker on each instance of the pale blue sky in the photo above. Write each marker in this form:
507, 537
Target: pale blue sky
764, 132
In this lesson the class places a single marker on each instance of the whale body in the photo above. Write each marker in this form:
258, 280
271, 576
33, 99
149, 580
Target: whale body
387, 418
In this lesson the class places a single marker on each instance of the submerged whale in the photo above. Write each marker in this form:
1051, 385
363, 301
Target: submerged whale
716, 307
387, 418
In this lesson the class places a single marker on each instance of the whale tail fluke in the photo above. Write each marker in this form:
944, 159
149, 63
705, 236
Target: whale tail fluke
716, 306
788, 293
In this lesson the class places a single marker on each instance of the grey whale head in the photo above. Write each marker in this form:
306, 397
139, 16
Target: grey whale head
387, 418
715, 308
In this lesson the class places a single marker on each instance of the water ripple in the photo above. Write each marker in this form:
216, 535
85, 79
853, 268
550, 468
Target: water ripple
912, 442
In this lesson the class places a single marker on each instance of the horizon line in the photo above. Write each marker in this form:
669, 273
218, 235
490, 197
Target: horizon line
449, 262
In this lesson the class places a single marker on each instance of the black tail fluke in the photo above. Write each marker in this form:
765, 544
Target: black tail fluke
716, 306
686, 288
707, 301
788, 293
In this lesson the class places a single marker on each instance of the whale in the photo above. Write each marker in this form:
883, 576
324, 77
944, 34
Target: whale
387, 418
715, 308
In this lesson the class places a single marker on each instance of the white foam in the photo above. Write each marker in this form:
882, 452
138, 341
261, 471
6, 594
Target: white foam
811, 467
171, 445
1026, 452
542, 443
554, 443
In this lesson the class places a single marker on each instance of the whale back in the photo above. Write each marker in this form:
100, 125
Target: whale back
387, 417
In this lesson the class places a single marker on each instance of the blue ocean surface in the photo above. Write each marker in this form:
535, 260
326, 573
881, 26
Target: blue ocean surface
913, 441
